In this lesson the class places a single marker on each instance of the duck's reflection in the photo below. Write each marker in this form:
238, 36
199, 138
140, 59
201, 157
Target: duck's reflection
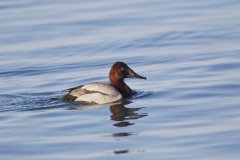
119, 113
123, 114
121, 151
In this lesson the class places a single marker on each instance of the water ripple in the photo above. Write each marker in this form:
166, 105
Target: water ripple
187, 109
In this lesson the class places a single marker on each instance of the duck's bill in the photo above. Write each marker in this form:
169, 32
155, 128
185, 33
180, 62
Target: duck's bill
132, 74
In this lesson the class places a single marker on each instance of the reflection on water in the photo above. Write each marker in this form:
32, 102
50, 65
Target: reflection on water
120, 151
189, 50
119, 112
123, 124
122, 114
123, 134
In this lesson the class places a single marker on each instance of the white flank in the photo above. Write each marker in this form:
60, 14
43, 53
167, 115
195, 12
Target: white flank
99, 93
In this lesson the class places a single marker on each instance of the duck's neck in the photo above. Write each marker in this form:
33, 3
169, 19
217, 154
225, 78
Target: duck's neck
122, 87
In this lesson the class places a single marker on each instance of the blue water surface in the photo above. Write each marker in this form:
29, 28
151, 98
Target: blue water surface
188, 108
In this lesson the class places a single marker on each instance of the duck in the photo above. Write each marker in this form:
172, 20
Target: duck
102, 93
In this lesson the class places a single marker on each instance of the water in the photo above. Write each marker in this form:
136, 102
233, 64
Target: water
188, 50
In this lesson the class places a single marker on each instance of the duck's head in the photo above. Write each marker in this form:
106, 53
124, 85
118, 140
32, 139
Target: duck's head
120, 70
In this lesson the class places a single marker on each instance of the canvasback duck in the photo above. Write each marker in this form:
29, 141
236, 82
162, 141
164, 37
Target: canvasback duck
101, 93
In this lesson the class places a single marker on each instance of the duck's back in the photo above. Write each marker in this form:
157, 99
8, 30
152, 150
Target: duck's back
93, 93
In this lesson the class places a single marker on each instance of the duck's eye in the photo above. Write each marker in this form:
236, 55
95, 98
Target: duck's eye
122, 69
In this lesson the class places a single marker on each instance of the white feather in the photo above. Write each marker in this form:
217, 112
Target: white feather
96, 93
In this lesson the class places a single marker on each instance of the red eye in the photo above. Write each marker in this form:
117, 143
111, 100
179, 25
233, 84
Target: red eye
122, 69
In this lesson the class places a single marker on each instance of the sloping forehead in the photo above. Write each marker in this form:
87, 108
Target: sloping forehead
119, 65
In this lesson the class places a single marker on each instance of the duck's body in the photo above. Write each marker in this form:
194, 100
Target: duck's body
101, 93
94, 93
